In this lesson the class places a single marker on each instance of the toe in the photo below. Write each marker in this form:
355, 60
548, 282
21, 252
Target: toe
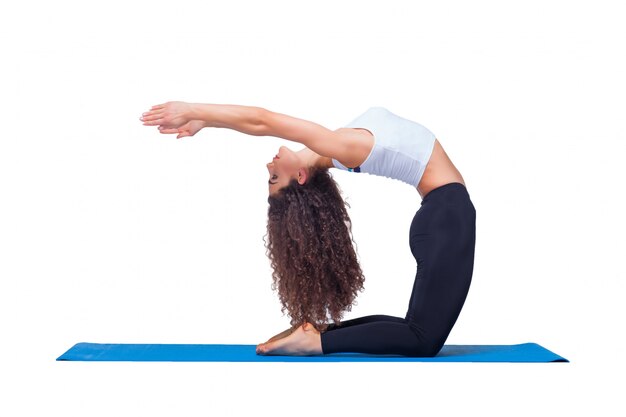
268, 347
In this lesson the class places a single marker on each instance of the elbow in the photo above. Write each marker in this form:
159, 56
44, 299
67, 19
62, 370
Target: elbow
259, 121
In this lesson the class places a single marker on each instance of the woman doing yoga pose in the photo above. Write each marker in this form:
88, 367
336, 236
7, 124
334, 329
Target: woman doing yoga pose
309, 242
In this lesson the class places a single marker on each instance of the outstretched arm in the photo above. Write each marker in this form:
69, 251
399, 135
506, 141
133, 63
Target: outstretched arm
257, 121
174, 114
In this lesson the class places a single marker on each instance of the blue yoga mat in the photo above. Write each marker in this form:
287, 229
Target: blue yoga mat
526, 352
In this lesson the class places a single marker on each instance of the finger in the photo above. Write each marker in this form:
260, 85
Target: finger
151, 116
182, 134
157, 106
155, 121
167, 130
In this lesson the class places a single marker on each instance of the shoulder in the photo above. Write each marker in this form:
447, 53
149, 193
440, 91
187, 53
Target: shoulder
350, 146
359, 143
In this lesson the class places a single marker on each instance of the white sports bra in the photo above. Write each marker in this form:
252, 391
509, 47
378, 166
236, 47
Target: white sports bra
401, 148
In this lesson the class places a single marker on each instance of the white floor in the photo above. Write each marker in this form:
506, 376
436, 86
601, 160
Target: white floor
110, 232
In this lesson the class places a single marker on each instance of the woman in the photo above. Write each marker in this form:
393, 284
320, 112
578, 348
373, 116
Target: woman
316, 271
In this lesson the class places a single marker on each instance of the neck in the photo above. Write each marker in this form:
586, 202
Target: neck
312, 159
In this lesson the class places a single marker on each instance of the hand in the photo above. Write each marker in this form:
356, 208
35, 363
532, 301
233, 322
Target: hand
188, 129
171, 115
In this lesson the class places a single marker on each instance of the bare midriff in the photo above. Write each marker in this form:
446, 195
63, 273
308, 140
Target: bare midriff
439, 171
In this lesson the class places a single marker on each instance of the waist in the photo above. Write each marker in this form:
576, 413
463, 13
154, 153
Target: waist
451, 193
439, 171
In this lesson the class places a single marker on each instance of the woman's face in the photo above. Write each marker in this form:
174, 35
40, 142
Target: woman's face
284, 167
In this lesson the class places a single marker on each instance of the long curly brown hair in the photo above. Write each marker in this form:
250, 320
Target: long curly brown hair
310, 245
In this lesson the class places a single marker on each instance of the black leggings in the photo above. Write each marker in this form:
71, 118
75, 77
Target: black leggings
442, 239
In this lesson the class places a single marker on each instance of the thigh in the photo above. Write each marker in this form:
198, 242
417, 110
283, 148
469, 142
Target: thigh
442, 241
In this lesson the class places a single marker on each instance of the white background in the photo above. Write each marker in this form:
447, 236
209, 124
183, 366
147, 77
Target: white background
110, 232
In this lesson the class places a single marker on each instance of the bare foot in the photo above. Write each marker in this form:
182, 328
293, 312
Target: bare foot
304, 340
282, 334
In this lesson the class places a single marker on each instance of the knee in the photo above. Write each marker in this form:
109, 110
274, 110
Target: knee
426, 349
